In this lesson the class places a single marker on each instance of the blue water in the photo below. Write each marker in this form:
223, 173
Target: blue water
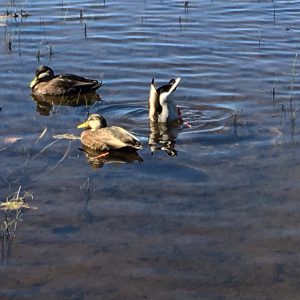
217, 221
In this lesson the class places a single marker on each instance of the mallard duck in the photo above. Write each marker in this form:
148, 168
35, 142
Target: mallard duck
46, 83
162, 108
101, 137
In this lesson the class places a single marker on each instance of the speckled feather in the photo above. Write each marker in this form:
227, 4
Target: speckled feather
112, 137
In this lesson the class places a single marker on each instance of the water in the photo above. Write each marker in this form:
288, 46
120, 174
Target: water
220, 219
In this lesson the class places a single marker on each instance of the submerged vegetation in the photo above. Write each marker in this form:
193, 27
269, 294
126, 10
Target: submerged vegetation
12, 209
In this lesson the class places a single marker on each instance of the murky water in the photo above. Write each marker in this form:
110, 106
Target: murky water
220, 219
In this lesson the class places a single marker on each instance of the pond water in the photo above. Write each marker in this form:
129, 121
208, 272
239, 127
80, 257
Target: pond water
210, 209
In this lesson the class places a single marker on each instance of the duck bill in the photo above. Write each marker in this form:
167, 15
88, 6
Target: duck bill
33, 82
153, 101
83, 125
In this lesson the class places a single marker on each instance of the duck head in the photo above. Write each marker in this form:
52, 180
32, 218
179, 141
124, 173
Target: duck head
42, 74
94, 122
161, 106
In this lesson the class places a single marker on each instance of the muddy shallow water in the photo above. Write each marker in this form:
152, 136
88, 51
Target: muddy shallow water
220, 219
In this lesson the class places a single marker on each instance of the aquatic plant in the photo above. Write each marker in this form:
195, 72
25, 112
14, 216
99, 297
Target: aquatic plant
12, 207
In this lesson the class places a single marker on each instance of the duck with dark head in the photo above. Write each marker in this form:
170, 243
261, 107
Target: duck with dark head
164, 117
46, 82
162, 107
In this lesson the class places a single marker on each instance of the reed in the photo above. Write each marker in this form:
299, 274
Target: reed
235, 122
186, 6
9, 46
293, 80
50, 52
292, 110
283, 114
84, 30
274, 88
38, 55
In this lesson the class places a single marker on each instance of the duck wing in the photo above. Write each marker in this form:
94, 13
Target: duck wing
107, 138
119, 135
170, 87
71, 84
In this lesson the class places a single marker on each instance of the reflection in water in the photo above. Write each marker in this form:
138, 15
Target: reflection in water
163, 137
44, 103
97, 159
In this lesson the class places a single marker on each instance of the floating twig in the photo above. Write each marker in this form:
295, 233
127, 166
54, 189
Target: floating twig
42, 134
85, 30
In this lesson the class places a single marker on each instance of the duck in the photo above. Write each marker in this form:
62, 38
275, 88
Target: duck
162, 107
46, 83
99, 136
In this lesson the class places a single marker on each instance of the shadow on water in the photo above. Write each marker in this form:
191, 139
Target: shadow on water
97, 159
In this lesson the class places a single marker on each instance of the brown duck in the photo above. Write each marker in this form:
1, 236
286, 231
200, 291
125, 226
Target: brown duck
46, 83
100, 137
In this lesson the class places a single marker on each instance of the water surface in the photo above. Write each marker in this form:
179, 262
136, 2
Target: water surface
220, 219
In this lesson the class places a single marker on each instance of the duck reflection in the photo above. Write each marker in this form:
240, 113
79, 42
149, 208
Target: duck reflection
97, 158
45, 103
163, 137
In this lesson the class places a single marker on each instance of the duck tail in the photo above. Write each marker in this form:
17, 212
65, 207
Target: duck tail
153, 101
97, 85
138, 146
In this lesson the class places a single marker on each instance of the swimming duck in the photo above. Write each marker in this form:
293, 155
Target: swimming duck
46, 83
162, 108
101, 137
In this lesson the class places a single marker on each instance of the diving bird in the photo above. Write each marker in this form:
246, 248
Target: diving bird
46, 83
162, 107
101, 137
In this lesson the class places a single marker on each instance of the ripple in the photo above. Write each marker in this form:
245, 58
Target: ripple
197, 119
201, 212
